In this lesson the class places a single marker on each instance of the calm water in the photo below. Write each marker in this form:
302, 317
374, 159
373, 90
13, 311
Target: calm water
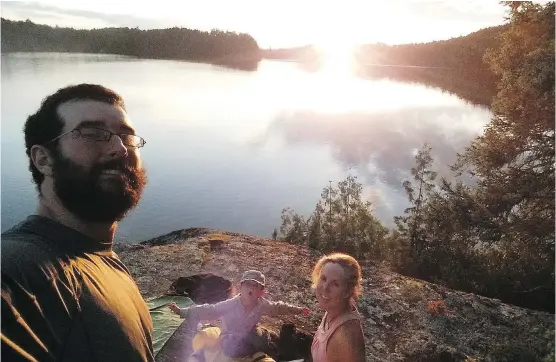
230, 149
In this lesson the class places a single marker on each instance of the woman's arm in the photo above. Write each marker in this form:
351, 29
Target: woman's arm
347, 343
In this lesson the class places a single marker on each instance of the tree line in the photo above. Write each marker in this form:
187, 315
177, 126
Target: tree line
213, 46
494, 237
456, 65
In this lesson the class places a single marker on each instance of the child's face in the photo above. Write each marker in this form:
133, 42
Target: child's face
250, 292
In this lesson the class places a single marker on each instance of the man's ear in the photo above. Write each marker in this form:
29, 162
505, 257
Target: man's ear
42, 159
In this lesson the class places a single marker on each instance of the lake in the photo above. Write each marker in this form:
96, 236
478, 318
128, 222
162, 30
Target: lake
230, 149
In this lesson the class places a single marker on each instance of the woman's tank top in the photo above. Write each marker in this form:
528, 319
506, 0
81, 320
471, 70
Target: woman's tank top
320, 341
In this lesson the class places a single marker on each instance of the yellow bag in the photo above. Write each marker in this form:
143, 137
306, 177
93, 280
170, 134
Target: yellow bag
208, 338
208, 341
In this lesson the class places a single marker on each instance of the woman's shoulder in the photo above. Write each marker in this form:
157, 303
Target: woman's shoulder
348, 340
351, 318
350, 330
352, 327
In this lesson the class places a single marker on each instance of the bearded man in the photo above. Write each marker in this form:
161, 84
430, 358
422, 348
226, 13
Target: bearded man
66, 296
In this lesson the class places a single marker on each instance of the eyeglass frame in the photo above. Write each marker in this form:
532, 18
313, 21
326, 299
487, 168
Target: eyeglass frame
78, 128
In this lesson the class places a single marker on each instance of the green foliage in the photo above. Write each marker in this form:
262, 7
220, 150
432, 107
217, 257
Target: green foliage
550, 353
513, 160
496, 237
533, 350
176, 43
342, 221
411, 226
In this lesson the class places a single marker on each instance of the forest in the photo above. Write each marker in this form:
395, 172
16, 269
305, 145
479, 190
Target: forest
215, 46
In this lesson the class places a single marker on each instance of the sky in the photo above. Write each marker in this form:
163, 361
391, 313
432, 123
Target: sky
279, 23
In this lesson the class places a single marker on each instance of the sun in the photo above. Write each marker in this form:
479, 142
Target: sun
337, 59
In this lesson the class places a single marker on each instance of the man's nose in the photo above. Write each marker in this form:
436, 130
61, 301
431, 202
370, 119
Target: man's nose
117, 147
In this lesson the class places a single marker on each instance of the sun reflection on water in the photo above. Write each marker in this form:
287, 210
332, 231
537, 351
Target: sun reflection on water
334, 87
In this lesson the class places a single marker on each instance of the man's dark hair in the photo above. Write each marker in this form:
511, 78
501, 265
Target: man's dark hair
47, 124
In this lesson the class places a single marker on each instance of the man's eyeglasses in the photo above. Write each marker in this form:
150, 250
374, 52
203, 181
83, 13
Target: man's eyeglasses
104, 135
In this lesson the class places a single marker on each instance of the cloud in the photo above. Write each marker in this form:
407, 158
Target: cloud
54, 15
382, 145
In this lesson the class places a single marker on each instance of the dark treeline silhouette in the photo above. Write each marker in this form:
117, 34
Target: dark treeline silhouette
464, 52
456, 65
495, 236
218, 47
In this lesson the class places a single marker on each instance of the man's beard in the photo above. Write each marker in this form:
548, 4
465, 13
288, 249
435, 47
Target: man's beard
83, 194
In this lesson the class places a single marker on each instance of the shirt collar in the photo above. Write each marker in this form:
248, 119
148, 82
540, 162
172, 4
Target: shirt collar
63, 237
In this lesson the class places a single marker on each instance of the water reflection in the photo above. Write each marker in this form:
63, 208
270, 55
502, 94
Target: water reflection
229, 149
479, 92
477, 89
382, 144
249, 65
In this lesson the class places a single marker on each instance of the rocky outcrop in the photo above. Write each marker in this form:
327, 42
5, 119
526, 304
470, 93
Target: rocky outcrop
202, 288
405, 319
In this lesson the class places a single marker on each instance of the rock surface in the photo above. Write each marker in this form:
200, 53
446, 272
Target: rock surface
405, 319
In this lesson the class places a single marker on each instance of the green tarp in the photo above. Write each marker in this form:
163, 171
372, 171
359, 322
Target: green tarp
165, 322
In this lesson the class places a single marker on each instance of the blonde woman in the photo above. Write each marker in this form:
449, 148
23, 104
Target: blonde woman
337, 283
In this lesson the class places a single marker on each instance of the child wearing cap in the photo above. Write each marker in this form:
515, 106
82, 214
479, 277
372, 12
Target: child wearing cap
240, 315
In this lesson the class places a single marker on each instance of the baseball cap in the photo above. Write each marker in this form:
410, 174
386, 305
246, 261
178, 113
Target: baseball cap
253, 275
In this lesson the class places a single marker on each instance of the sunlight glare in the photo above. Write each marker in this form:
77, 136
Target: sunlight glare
337, 59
